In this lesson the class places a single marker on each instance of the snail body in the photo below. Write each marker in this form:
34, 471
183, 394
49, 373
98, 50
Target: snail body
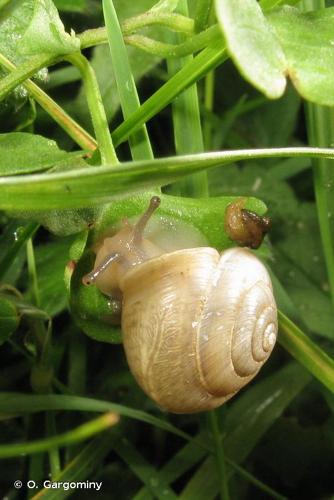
197, 326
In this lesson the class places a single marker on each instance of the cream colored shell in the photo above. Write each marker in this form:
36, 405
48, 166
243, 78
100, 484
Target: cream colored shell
197, 326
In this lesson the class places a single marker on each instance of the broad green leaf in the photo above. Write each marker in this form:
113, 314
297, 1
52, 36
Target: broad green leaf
46, 33
9, 319
88, 187
14, 20
22, 153
252, 45
307, 41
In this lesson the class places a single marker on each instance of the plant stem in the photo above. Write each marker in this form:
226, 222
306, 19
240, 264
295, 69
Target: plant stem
21, 75
169, 50
96, 108
220, 456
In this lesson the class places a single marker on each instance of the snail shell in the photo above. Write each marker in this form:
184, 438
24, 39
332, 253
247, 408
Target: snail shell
197, 326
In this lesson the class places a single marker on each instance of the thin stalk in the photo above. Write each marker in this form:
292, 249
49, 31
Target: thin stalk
139, 141
172, 50
54, 457
187, 126
175, 22
21, 75
220, 455
96, 108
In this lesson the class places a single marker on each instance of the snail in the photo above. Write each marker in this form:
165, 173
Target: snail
197, 326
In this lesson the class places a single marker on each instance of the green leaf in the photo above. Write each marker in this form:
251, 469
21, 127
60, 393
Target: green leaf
9, 319
22, 153
252, 45
88, 187
46, 33
14, 21
307, 41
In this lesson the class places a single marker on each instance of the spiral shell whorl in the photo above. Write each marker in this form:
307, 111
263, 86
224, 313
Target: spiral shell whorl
241, 316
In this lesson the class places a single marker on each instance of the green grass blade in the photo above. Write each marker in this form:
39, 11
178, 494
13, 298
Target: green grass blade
139, 141
304, 350
208, 59
12, 403
187, 125
76, 435
88, 187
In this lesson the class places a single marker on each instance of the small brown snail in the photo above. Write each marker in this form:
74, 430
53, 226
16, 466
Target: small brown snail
197, 326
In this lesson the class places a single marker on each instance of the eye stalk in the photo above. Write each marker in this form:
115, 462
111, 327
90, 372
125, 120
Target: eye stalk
139, 228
